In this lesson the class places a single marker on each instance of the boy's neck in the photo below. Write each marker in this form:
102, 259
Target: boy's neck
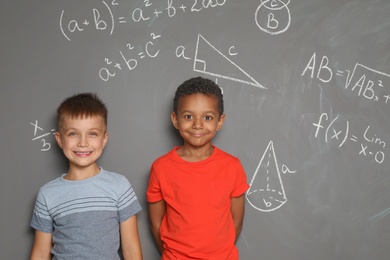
81, 173
193, 154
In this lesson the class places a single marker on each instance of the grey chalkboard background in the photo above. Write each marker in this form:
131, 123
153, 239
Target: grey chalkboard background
306, 86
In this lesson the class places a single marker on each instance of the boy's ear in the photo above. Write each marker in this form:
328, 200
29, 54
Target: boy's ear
174, 120
57, 135
105, 140
220, 122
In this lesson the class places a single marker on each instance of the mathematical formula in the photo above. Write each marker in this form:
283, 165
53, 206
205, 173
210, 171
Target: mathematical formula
271, 16
129, 58
103, 19
339, 130
40, 134
364, 81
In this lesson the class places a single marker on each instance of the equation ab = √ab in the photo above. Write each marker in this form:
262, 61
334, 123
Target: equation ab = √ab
366, 82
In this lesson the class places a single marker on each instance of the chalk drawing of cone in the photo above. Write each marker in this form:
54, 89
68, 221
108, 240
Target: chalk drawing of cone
266, 192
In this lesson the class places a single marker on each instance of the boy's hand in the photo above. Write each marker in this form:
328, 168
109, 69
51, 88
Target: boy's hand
156, 215
237, 208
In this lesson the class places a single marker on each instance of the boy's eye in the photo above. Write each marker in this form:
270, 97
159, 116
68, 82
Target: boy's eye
93, 134
72, 134
187, 116
208, 118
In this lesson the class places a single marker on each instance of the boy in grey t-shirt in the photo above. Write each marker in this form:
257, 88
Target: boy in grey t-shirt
87, 213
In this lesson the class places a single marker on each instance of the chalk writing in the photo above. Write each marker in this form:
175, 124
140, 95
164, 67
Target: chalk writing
171, 9
129, 60
45, 145
266, 192
338, 132
365, 82
273, 16
70, 25
102, 19
129, 57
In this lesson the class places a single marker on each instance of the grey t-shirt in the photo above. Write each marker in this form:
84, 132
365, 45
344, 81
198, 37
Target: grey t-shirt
84, 216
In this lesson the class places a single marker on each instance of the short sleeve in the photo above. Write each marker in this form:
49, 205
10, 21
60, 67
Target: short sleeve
41, 219
153, 192
241, 186
128, 204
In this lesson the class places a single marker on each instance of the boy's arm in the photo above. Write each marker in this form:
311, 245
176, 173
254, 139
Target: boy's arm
42, 246
156, 215
237, 209
131, 246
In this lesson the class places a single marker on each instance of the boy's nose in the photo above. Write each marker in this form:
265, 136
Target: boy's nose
82, 142
197, 123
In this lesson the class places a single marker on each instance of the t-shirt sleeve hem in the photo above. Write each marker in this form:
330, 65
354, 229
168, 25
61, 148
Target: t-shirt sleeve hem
135, 210
152, 199
40, 229
241, 190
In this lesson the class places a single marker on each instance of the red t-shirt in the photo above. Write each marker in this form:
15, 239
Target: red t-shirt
198, 223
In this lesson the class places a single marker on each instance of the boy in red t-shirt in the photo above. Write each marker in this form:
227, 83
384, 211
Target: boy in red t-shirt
196, 191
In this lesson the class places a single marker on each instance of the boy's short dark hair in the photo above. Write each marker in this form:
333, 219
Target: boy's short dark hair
80, 106
199, 85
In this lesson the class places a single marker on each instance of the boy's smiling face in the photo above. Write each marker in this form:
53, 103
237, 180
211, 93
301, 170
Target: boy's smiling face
197, 120
82, 140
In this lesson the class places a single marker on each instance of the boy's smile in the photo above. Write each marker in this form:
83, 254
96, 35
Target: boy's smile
82, 141
197, 120
83, 154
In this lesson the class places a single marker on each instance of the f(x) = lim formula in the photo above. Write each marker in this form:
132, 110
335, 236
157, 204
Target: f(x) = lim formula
338, 130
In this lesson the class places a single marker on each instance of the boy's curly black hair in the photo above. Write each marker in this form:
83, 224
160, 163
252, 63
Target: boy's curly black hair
199, 85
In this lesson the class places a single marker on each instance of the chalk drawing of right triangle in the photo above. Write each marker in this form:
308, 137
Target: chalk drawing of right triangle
200, 64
